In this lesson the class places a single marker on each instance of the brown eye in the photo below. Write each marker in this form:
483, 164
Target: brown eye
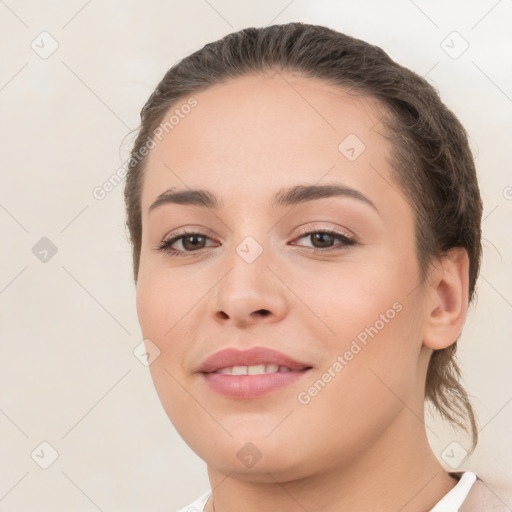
323, 241
190, 243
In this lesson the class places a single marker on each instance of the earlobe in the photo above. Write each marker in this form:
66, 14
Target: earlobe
447, 304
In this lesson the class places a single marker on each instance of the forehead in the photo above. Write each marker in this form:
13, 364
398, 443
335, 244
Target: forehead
261, 132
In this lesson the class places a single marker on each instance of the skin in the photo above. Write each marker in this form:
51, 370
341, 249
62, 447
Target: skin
360, 444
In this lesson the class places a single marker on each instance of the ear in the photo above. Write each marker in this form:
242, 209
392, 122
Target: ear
447, 302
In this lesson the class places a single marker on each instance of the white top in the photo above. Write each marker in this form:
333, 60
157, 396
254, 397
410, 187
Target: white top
451, 502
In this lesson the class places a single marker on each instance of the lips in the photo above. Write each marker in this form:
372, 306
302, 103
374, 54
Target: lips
255, 356
252, 385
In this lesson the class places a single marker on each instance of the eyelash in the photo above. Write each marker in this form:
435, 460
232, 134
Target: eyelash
166, 244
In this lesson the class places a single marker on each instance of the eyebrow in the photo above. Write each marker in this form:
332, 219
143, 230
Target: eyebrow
284, 197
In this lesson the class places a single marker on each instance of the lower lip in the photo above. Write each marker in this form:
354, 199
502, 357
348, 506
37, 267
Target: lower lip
251, 386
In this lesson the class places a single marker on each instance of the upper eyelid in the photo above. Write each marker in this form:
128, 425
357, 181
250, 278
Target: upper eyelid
187, 232
343, 231
304, 232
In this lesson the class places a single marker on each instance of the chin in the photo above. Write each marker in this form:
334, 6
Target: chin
266, 470
258, 461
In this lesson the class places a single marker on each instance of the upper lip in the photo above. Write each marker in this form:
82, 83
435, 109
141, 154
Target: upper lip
257, 355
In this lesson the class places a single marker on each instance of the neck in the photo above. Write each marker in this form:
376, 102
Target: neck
398, 472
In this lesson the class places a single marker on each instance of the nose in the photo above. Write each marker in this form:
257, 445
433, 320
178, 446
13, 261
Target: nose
249, 293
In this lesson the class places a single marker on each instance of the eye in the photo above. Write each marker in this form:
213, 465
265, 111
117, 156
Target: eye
191, 242
323, 239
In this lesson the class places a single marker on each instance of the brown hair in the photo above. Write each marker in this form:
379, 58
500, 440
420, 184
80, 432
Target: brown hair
431, 159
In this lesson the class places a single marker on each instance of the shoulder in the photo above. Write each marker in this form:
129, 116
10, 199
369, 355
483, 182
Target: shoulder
198, 504
482, 498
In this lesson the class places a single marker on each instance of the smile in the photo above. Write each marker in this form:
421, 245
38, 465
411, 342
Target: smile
257, 369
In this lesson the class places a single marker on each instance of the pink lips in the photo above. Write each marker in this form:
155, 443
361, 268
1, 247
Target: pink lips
256, 355
250, 386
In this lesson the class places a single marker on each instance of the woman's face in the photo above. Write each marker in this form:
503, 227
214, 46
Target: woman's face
260, 273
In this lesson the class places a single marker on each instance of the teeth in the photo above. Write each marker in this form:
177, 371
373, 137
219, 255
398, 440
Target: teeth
239, 370
257, 369
272, 368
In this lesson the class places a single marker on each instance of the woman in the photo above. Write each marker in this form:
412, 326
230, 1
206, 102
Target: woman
305, 220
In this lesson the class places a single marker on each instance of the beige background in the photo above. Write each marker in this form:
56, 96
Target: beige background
68, 375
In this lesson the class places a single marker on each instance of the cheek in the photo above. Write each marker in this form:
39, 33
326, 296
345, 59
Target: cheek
370, 372
359, 292
167, 309
151, 306
161, 302
161, 309
373, 321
